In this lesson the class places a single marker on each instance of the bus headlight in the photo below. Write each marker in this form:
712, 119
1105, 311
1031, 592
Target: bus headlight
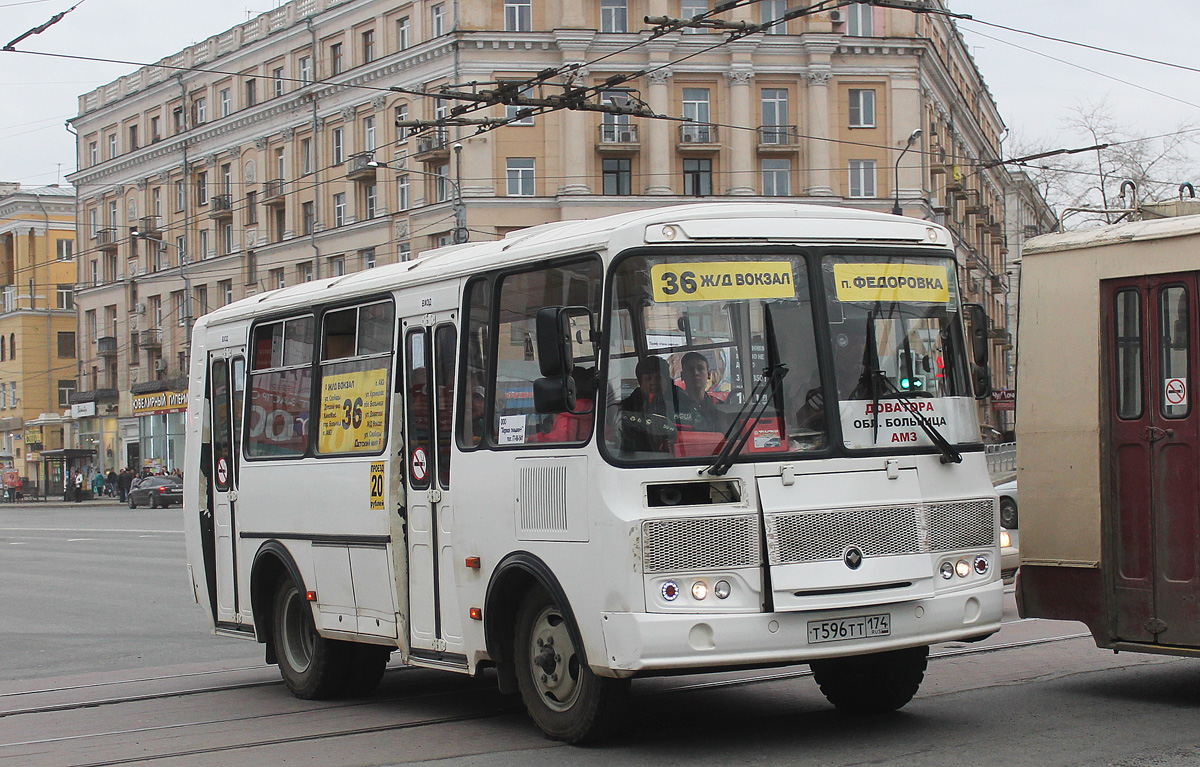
947, 570
670, 590
981, 564
699, 591
722, 589
1005, 539
963, 568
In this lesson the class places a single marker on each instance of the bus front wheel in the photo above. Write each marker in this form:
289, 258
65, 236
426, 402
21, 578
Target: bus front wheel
313, 668
872, 684
564, 698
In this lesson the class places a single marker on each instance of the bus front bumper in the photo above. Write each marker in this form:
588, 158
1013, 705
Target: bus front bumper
648, 642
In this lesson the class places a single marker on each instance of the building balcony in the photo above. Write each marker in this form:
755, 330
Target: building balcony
618, 138
778, 138
273, 192
106, 346
701, 137
149, 226
433, 145
106, 240
150, 338
221, 206
361, 167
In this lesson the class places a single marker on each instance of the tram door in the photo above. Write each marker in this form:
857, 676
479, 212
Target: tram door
1150, 342
435, 623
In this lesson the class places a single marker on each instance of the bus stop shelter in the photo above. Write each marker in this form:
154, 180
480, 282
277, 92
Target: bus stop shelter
68, 459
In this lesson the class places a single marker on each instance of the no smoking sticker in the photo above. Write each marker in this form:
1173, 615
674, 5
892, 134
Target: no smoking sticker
222, 471
1176, 391
420, 464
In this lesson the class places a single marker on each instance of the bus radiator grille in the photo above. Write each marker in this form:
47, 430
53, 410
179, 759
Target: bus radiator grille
700, 543
815, 536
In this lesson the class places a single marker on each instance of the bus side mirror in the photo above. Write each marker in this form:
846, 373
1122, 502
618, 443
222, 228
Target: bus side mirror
981, 381
978, 320
554, 392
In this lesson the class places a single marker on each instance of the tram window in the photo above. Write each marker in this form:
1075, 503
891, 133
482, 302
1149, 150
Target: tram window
521, 296
277, 416
1174, 343
1128, 339
356, 366
472, 405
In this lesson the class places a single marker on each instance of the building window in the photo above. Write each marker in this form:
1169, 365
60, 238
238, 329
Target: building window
277, 79
225, 101
65, 297
177, 120
441, 187
251, 207
180, 195
180, 252
403, 34
306, 156
226, 239
860, 20
697, 177
204, 252
614, 16
202, 188
862, 178
308, 216
862, 108
112, 145
336, 62
403, 201
180, 301
200, 111
133, 137
774, 113
200, 298
368, 46
520, 176
306, 73
689, 9
404, 252
65, 249
369, 134
437, 20
371, 200
401, 115
226, 288
773, 10
518, 15
155, 129
280, 230
697, 109
156, 201
280, 162
89, 324
275, 279
93, 153
305, 271
368, 258
337, 266
339, 146
66, 387
112, 214
618, 176
339, 209
251, 92
156, 310
513, 112
776, 177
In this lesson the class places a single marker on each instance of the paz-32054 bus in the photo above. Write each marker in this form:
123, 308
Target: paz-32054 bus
689, 438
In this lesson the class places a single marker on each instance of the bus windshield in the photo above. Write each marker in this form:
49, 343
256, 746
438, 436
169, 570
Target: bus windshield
691, 336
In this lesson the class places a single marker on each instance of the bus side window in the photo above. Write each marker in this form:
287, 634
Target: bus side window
280, 384
476, 346
356, 366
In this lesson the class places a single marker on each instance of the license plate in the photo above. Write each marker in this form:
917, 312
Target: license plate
858, 627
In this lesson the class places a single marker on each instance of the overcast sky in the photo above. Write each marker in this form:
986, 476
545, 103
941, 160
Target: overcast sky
1034, 92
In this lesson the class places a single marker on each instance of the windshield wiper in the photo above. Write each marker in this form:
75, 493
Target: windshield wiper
949, 454
767, 382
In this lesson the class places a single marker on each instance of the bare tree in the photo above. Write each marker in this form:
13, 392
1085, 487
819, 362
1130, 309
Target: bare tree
1095, 179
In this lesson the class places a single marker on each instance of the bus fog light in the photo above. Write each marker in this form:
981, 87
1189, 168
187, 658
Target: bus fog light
1005, 539
722, 589
699, 590
963, 568
981, 564
670, 590
947, 570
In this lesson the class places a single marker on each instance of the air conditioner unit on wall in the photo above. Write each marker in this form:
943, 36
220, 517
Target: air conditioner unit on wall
837, 16
139, 307
160, 366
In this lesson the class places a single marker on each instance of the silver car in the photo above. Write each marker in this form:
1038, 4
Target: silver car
1010, 538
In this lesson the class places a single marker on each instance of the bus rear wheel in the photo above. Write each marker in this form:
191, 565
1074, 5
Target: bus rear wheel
872, 684
563, 697
312, 667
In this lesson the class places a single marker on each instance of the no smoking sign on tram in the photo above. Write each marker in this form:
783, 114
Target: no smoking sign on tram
1176, 391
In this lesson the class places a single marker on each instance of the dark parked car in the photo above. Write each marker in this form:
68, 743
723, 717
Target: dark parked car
155, 492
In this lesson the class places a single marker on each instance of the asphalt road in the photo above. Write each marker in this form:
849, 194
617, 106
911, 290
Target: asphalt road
106, 660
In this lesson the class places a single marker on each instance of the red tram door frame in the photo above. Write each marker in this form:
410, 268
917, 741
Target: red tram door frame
1152, 549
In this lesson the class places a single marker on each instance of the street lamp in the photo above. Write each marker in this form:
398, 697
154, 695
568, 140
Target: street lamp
461, 233
912, 139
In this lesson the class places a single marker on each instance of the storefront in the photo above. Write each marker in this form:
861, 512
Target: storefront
162, 417
97, 433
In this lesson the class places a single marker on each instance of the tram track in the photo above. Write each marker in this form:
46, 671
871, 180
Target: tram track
333, 734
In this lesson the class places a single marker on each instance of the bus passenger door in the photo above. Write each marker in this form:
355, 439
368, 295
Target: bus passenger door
435, 626
226, 387
1154, 486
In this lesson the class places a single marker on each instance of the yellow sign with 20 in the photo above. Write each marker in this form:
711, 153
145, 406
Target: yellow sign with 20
722, 280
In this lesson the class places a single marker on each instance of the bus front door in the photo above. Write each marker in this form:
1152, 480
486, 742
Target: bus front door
1153, 488
435, 625
226, 387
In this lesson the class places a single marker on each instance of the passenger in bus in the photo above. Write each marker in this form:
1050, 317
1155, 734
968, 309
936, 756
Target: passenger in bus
478, 410
574, 426
697, 407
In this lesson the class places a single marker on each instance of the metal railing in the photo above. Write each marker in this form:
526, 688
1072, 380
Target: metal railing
1001, 458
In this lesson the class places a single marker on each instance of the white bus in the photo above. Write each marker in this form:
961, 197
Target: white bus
691, 438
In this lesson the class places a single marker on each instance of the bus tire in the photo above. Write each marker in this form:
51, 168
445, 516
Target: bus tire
367, 663
562, 695
1008, 513
312, 667
872, 684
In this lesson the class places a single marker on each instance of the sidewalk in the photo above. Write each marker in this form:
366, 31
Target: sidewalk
57, 500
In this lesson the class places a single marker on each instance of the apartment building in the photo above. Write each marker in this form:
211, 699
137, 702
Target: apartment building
37, 325
268, 154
